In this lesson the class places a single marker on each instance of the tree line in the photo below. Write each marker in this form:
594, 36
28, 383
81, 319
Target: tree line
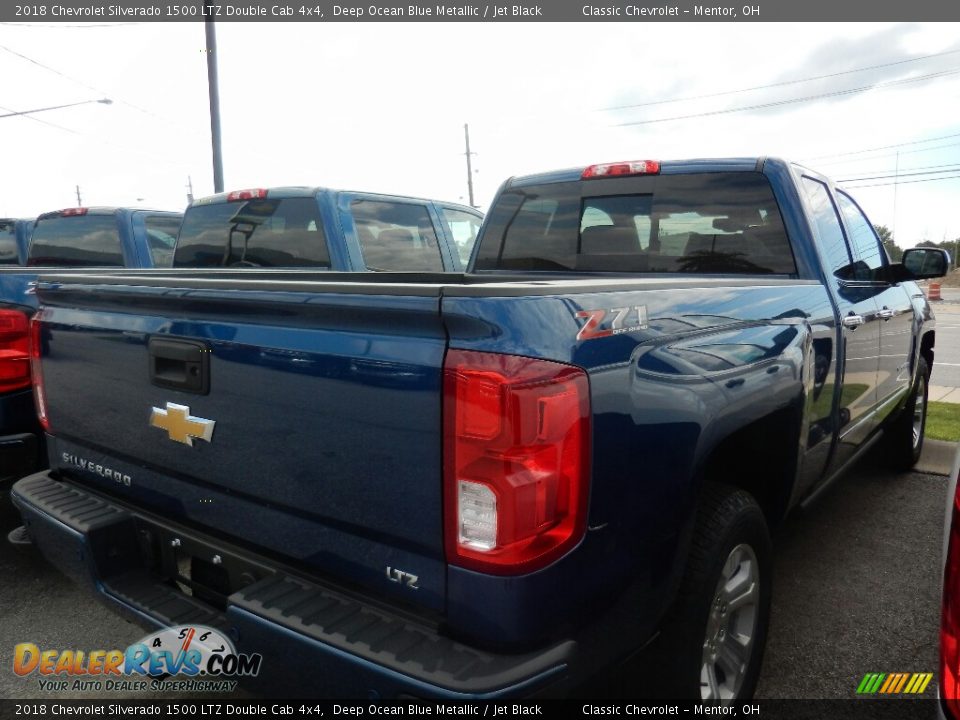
896, 252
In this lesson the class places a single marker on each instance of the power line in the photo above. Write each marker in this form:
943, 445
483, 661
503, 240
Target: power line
778, 84
918, 167
39, 120
83, 84
791, 101
902, 152
886, 147
900, 175
905, 182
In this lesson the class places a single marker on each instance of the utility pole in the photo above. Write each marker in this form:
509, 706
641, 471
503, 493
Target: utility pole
214, 91
466, 137
189, 190
896, 179
79, 203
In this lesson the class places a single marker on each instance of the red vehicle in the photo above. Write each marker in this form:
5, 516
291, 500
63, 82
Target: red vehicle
950, 619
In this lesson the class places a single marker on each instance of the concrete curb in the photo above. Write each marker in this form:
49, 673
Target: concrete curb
943, 393
937, 457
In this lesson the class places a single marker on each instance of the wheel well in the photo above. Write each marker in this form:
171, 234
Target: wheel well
760, 458
926, 348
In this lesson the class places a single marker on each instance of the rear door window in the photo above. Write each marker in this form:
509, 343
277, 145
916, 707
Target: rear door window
264, 232
8, 242
76, 241
162, 238
726, 223
463, 228
396, 236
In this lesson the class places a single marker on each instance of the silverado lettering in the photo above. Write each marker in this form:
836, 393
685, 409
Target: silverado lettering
97, 468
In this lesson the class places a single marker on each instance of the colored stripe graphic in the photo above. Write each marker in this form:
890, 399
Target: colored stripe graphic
894, 683
923, 679
891, 679
871, 683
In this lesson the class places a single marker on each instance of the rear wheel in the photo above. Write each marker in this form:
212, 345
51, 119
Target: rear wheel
907, 431
715, 636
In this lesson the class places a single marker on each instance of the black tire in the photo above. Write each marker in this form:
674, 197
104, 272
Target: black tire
905, 434
729, 521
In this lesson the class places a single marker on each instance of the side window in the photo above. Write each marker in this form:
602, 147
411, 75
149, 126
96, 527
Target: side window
162, 238
463, 229
864, 241
396, 236
832, 243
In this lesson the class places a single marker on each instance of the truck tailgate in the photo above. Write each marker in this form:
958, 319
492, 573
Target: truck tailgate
325, 447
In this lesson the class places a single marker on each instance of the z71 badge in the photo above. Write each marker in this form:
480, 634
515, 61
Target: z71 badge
604, 323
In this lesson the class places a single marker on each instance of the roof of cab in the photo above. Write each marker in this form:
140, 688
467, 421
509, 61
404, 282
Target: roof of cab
104, 210
294, 191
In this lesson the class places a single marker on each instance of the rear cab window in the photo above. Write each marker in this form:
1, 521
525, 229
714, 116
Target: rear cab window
713, 223
261, 232
162, 237
396, 236
76, 240
8, 242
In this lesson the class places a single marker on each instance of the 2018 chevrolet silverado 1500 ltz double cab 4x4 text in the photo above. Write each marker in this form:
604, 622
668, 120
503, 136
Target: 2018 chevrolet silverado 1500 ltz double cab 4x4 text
492, 484
294, 227
72, 238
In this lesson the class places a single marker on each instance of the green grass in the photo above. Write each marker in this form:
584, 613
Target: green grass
943, 421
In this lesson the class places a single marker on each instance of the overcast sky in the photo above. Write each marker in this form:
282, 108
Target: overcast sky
381, 107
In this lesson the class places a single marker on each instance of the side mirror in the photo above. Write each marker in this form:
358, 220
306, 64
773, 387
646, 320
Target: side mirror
924, 262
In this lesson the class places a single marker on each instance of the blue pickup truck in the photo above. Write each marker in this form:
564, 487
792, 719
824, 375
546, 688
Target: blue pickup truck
72, 238
492, 484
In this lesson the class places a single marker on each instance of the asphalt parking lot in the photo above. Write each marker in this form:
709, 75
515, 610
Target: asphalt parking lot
856, 590
857, 585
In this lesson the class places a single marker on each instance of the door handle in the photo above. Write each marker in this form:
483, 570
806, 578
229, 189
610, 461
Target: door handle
886, 313
852, 321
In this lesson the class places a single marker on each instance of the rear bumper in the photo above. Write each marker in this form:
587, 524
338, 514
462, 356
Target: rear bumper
353, 646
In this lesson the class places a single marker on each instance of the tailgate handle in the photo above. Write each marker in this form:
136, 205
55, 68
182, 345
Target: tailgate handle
180, 365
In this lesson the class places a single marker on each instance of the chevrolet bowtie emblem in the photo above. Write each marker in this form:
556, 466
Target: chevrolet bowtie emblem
181, 425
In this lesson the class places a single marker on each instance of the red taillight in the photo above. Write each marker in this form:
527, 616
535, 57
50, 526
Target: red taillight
36, 350
258, 194
632, 167
14, 351
70, 212
516, 460
950, 618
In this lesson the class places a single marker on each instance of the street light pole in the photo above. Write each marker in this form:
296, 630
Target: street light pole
214, 90
102, 101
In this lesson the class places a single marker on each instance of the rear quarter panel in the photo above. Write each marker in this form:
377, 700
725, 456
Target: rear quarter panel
715, 356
